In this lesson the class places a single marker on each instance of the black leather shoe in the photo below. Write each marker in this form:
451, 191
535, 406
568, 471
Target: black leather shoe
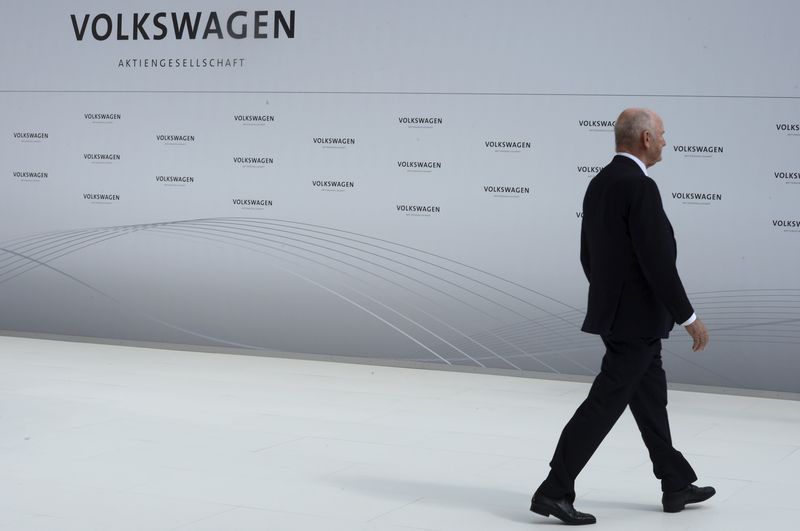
674, 502
561, 509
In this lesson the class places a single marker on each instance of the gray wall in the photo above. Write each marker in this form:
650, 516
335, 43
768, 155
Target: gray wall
155, 245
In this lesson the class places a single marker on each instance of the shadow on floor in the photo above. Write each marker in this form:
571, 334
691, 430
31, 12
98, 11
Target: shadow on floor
503, 503
509, 505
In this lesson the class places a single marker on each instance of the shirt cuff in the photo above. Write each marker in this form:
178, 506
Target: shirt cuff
692, 319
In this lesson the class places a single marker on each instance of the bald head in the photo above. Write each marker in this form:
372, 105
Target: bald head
630, 126
640, 132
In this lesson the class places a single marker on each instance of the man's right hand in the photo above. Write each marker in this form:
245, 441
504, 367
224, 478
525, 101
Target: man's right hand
699, 334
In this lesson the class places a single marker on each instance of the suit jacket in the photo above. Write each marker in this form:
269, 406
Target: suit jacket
628, 253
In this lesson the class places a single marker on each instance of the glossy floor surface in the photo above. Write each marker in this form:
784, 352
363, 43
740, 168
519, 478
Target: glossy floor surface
107, 438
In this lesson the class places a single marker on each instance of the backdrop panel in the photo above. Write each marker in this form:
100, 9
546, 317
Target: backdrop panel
400, 181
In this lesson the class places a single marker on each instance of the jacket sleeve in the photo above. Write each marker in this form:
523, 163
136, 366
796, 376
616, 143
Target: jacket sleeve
654, 246
585, 262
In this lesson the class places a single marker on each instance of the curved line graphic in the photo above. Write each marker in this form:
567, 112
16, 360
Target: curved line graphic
218, 340
511, 310
226, 242
407, 256
217, 231
704, 368
732, 315
48, 252
250, 221
364, 309
144, 314
227, 239
429, 254
433, 288
61, 244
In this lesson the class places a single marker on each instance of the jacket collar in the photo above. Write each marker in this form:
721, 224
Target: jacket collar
634, 159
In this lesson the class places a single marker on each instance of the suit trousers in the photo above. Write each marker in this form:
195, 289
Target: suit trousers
631, 375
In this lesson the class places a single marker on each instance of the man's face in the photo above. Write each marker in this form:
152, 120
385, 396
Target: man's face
657, 142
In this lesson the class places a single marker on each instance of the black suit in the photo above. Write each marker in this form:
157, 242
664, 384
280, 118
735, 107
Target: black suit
628, 253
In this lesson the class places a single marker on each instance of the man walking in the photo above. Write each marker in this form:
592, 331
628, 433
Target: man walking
628, 253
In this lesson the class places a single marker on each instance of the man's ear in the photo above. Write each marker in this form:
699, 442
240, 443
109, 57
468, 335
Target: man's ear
646, 140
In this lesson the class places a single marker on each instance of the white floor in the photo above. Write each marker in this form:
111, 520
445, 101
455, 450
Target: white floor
96, 437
